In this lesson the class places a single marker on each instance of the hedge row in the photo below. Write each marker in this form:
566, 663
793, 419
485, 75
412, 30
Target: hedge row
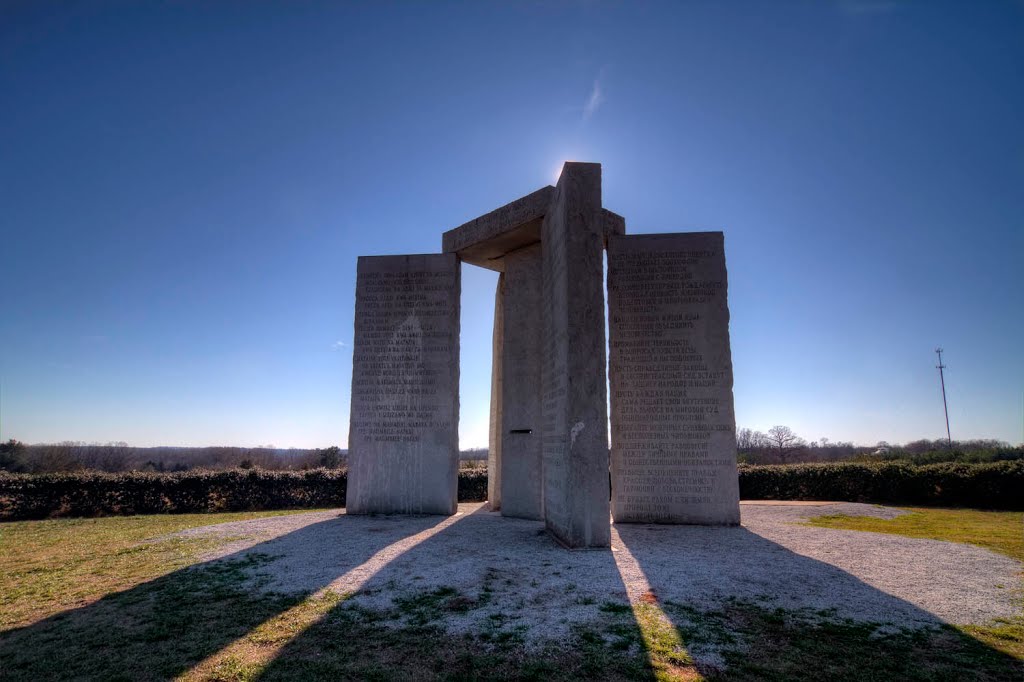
997, 485
992, 485
38, 496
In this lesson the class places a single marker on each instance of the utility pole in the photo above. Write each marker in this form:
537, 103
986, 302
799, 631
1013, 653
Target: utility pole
942, 379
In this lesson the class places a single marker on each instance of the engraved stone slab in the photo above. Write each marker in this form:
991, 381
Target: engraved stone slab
672, 419
403, 434
574, 430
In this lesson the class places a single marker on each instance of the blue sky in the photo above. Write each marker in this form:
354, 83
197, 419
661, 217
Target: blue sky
186, 187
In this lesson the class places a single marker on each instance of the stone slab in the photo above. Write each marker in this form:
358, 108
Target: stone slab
614, 224
484, 241
522, 493
403, 433
672, 419
494, 440
574, 431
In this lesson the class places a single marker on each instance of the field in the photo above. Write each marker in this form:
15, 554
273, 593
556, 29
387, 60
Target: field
165, 596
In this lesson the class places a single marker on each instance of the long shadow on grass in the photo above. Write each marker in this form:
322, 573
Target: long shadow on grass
490, 598
749, 608
496, 598
485, 597
164, 627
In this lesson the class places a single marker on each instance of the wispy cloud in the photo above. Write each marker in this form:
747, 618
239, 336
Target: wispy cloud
594, 100
338, 345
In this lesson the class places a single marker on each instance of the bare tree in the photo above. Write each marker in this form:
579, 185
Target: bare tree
748, 440
784, 442
744, 439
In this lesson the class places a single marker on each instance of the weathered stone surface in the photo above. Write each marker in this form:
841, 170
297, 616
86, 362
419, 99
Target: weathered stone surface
575, 436
484, 240
403, 435
614, 224
521, 486
494, 441
672, 419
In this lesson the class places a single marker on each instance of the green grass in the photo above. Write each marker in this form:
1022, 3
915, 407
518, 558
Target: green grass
99, 599
1001, 532
785, 645
48, 566
756, 643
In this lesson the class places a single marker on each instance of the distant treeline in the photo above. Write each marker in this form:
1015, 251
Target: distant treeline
934, 451
70, 456
780, 445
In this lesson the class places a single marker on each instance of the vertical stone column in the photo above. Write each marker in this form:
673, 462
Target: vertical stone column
522, 493
575, 434
403, 434
494, 441
673, 424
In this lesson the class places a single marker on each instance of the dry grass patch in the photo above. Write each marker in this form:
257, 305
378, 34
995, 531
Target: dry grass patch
50, 566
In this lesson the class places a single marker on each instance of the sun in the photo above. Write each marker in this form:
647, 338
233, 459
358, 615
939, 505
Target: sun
556, 171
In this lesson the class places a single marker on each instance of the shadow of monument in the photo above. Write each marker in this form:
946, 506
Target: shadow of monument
490, 579
463, 576
164, 627
713, 586
762, 611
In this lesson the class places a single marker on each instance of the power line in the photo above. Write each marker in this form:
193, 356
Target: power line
942, 379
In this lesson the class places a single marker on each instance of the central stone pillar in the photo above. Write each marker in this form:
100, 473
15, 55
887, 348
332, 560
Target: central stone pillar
548, 454
575, 433
494, 461
520, 416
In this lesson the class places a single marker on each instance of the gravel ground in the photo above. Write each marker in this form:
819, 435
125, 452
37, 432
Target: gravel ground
531, 581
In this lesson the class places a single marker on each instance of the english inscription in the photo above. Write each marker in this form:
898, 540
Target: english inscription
673, 424
404, 410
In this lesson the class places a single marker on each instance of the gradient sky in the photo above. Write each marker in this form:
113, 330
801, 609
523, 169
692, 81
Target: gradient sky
185, 188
